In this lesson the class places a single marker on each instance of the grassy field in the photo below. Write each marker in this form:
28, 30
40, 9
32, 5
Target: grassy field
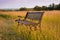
50, 27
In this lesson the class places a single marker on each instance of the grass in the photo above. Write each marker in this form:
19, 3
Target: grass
5, 16
50, 27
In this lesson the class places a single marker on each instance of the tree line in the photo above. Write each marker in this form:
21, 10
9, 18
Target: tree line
38, 8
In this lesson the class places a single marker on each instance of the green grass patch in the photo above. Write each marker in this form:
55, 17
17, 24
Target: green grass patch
5, 16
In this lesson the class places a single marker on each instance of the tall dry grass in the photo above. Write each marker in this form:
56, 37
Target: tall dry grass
50, 27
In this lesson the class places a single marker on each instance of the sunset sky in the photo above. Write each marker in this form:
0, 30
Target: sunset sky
14, 4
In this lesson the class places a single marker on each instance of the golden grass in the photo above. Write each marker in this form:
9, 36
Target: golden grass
50, 26
51, 23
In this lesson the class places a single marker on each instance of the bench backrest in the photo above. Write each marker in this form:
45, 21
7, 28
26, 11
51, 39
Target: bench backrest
34, 15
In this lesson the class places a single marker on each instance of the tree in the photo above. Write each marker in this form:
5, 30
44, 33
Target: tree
44, 8
37, 8
23, 9
58, 7
51, 6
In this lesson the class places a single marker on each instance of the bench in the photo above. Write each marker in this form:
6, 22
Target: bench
31, 18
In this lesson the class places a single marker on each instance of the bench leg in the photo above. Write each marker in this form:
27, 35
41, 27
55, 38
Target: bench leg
30, 28
35, 28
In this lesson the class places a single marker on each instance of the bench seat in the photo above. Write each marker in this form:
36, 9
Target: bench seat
27, 22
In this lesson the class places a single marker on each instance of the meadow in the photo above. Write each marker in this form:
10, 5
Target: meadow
9, 30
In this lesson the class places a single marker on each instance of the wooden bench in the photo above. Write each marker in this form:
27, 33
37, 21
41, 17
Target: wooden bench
31, 18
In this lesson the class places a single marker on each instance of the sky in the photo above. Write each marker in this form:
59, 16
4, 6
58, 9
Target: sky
15, 4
